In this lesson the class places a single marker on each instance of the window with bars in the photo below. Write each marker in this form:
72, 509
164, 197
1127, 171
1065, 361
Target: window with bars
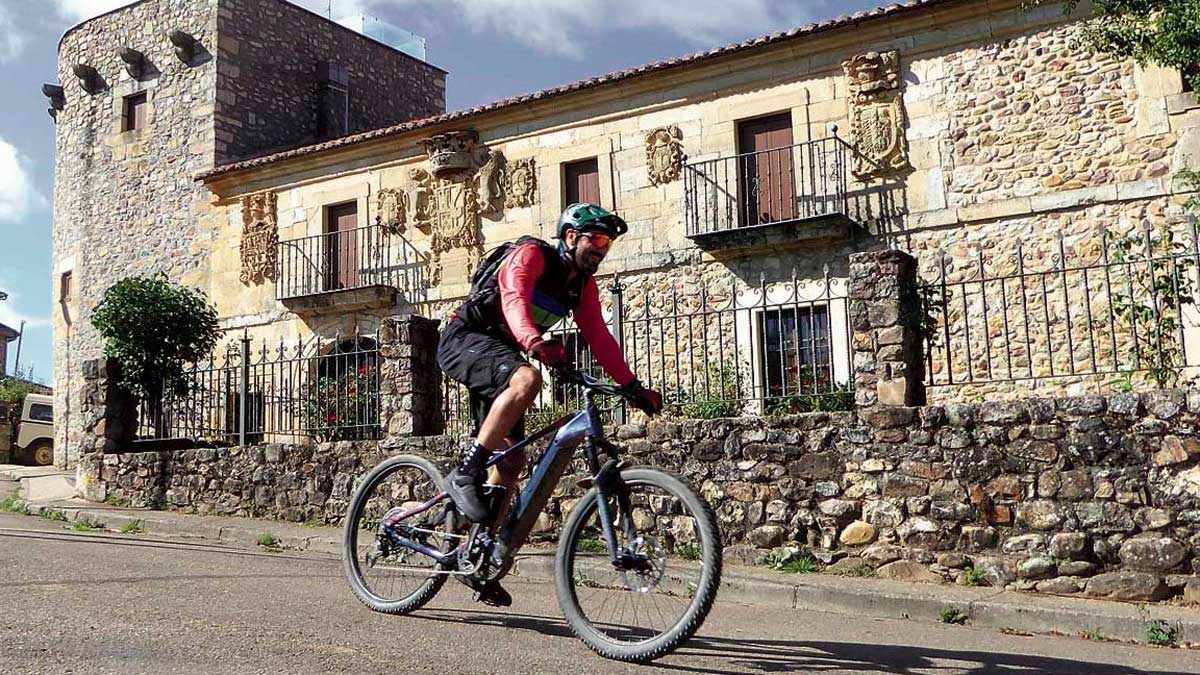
794, 344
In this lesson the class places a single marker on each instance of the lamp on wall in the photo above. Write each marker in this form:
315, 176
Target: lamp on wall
88, 77
185, 45
135, 61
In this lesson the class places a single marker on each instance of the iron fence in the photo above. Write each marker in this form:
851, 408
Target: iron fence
1119, 305
796, 182
347, 259
319, 390
715, 349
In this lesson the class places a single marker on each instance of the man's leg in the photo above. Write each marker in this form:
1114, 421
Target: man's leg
464, 482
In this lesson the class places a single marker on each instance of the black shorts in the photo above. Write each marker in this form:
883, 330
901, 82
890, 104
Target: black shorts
484, 363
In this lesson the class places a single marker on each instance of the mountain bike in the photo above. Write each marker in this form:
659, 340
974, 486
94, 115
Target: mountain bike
638, 562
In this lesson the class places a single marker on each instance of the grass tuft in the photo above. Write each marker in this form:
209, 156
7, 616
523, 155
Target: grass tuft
132, 527
953, 616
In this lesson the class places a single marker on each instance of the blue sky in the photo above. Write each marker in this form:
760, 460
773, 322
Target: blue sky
492, 48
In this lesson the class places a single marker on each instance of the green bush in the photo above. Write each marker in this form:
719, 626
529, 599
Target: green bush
152, 327
827, 395
14, 388
715, 397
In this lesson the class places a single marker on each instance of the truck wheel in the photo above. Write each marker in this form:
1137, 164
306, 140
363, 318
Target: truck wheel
42, 454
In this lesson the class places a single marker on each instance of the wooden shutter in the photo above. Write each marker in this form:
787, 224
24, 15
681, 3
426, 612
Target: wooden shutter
135, 112
342, 246
767, 172
583, 182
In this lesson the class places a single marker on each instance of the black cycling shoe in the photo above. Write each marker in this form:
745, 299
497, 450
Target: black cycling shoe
465, 487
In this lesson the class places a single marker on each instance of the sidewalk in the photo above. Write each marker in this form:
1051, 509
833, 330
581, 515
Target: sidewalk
856, 596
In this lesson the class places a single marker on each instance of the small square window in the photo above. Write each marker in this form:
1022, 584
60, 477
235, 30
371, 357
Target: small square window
64, 287
134, 113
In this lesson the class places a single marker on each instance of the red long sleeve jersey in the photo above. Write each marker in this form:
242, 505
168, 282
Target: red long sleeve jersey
529, 312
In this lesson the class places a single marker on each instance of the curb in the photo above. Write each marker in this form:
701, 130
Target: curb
862, 597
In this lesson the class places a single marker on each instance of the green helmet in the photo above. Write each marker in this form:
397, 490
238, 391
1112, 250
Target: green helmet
589, 217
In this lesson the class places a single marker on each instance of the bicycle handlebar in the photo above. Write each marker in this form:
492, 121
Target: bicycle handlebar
575, 376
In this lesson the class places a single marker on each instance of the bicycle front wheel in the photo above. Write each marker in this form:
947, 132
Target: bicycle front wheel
666, 579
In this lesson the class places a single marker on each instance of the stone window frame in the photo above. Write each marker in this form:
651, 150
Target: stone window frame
1181, 100
120, 94
551, 179
750, 327
310, 209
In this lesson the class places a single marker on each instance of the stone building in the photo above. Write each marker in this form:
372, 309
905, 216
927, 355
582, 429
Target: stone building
153, 93
974, 129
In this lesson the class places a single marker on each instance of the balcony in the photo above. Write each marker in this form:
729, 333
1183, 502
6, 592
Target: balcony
349, 270
769, 199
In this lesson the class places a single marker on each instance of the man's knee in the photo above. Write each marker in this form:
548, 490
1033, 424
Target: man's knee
527, 381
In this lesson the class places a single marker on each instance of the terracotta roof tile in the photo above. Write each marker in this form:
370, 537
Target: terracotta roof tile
754, 43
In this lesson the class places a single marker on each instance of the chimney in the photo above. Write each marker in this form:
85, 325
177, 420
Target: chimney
333, 93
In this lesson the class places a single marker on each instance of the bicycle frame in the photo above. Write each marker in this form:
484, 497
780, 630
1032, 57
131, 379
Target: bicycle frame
581, 427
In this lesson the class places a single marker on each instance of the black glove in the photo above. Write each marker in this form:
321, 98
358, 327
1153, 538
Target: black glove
646, 400
552, 352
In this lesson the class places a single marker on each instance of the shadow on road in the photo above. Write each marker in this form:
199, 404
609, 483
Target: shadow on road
812, 656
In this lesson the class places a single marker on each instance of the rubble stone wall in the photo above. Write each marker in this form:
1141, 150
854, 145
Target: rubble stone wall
1084, 495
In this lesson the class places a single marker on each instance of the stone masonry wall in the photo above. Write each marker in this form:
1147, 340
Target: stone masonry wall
268, 90
1087, 495
124, 201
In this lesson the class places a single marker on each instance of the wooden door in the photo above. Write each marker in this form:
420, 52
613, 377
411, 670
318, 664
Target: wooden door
583, 182
767, 171
342, 246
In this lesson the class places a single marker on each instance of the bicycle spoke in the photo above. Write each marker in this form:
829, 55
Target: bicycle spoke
388, 571
651, 595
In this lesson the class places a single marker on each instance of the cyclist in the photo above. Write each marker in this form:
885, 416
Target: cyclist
518, 294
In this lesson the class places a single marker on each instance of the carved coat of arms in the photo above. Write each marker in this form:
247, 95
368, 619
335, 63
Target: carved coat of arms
877, 115
260, 237
463, 183
520, 183
664, 154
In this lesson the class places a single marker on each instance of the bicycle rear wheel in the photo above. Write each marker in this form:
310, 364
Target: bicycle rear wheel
658, 596
385, 576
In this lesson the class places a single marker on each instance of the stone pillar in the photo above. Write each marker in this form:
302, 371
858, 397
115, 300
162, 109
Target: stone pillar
885, 320
109, 417
411, 386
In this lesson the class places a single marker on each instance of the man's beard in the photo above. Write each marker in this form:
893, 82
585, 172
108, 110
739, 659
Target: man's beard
588, 264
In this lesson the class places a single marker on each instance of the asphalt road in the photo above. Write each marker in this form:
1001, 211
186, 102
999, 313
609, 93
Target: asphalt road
109, 603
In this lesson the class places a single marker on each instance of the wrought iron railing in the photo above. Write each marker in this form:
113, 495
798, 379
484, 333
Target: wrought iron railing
797, 182
716, 350
1116, 307
349, 259
249, 394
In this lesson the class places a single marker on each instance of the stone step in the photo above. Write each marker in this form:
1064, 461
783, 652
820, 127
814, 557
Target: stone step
48, 486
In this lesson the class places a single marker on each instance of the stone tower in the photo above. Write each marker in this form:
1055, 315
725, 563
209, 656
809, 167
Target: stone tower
153, 93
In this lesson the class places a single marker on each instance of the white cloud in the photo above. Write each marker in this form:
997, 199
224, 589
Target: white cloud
573, 27
10, 315
12, 39
78, 10
18, 197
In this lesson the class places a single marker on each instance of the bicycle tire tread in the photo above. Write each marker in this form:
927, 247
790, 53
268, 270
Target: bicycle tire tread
682, 633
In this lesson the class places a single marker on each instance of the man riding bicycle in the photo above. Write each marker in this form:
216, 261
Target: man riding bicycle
513, 301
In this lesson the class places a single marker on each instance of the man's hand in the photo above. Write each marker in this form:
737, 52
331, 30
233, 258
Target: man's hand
553, 353
646, 400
